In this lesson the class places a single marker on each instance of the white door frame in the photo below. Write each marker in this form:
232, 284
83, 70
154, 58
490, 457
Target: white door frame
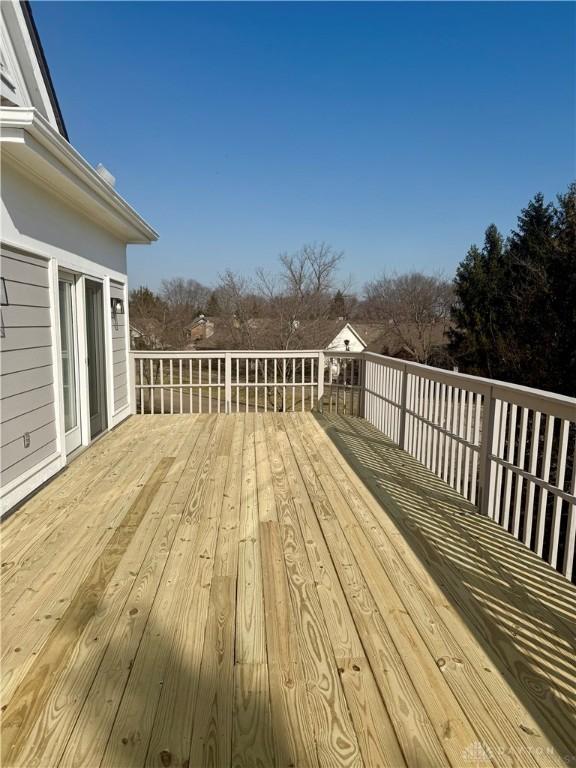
106, 347
73, 438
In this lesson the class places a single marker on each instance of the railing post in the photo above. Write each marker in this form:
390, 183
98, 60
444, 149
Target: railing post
403, 403
321, 364
227, 383
132, 381
486, 441
362, 385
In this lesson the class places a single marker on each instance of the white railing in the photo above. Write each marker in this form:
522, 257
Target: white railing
243, 381
509, 450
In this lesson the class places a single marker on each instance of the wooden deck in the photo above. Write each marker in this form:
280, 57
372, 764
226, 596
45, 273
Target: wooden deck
275, 590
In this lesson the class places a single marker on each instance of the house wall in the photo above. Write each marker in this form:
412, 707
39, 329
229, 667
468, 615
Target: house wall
35, 219
119, 351
337, 344
27, 393
40, 235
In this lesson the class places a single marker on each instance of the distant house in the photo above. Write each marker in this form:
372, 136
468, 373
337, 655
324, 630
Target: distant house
212, 333
64, 231
200, 329
146, 335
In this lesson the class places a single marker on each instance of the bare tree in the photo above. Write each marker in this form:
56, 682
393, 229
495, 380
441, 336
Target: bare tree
415, 311
179, 292
283, 310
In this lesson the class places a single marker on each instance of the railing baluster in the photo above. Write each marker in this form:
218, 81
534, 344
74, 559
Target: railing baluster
303, 380
141, 386
468, 452
541, 518
560, 477
152, 393
519, 479
237, 385
219, 375
448, 443
210, 385
534, 446
247, 381
228, 383
476, 449
510, 459
568, 565
171, 382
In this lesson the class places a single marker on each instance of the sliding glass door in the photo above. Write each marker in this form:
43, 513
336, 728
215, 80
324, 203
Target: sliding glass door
95, 349
69, 359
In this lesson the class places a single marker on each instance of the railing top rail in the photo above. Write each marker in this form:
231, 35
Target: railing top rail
221, 353
538, 399
561, 406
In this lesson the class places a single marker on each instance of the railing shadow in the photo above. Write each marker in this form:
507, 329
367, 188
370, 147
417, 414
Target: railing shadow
521, 611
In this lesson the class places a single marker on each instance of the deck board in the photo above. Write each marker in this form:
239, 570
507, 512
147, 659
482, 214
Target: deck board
275, 590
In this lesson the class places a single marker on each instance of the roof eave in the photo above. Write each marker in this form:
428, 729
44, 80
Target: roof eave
27, 133
43, 65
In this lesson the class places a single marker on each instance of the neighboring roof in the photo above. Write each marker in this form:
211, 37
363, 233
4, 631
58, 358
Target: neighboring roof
43, 64
310, 334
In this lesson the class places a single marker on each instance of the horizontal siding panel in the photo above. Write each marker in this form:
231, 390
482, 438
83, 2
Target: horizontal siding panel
119, 356
16, 383
25, 338
15, 452
24, 257
24, 272
119, 404
118, 330
116, 290
26, 317
27, 422
11, 473
27, 295
25, 359
15, 406
119, 344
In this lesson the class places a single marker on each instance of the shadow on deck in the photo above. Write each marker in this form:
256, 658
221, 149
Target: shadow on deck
521, 611
275, 590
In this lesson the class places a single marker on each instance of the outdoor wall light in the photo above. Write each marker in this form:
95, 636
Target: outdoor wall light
117, 306
4, 293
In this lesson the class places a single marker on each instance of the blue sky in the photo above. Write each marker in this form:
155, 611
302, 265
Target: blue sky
395, 131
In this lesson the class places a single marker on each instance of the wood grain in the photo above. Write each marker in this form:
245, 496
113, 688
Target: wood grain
263, 590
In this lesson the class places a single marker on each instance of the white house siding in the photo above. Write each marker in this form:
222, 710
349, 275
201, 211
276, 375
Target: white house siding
119, 351
37, 220
346, 334
26, 372
42, 233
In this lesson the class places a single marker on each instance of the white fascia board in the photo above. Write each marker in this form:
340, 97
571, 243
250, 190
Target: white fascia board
30, 139
355, 332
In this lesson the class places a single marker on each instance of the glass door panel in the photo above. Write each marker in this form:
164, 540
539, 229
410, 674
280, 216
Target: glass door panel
96, 356
69, 361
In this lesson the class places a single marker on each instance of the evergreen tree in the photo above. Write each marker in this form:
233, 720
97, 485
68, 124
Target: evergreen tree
515, 311
339, 305
562, 276
476, 315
